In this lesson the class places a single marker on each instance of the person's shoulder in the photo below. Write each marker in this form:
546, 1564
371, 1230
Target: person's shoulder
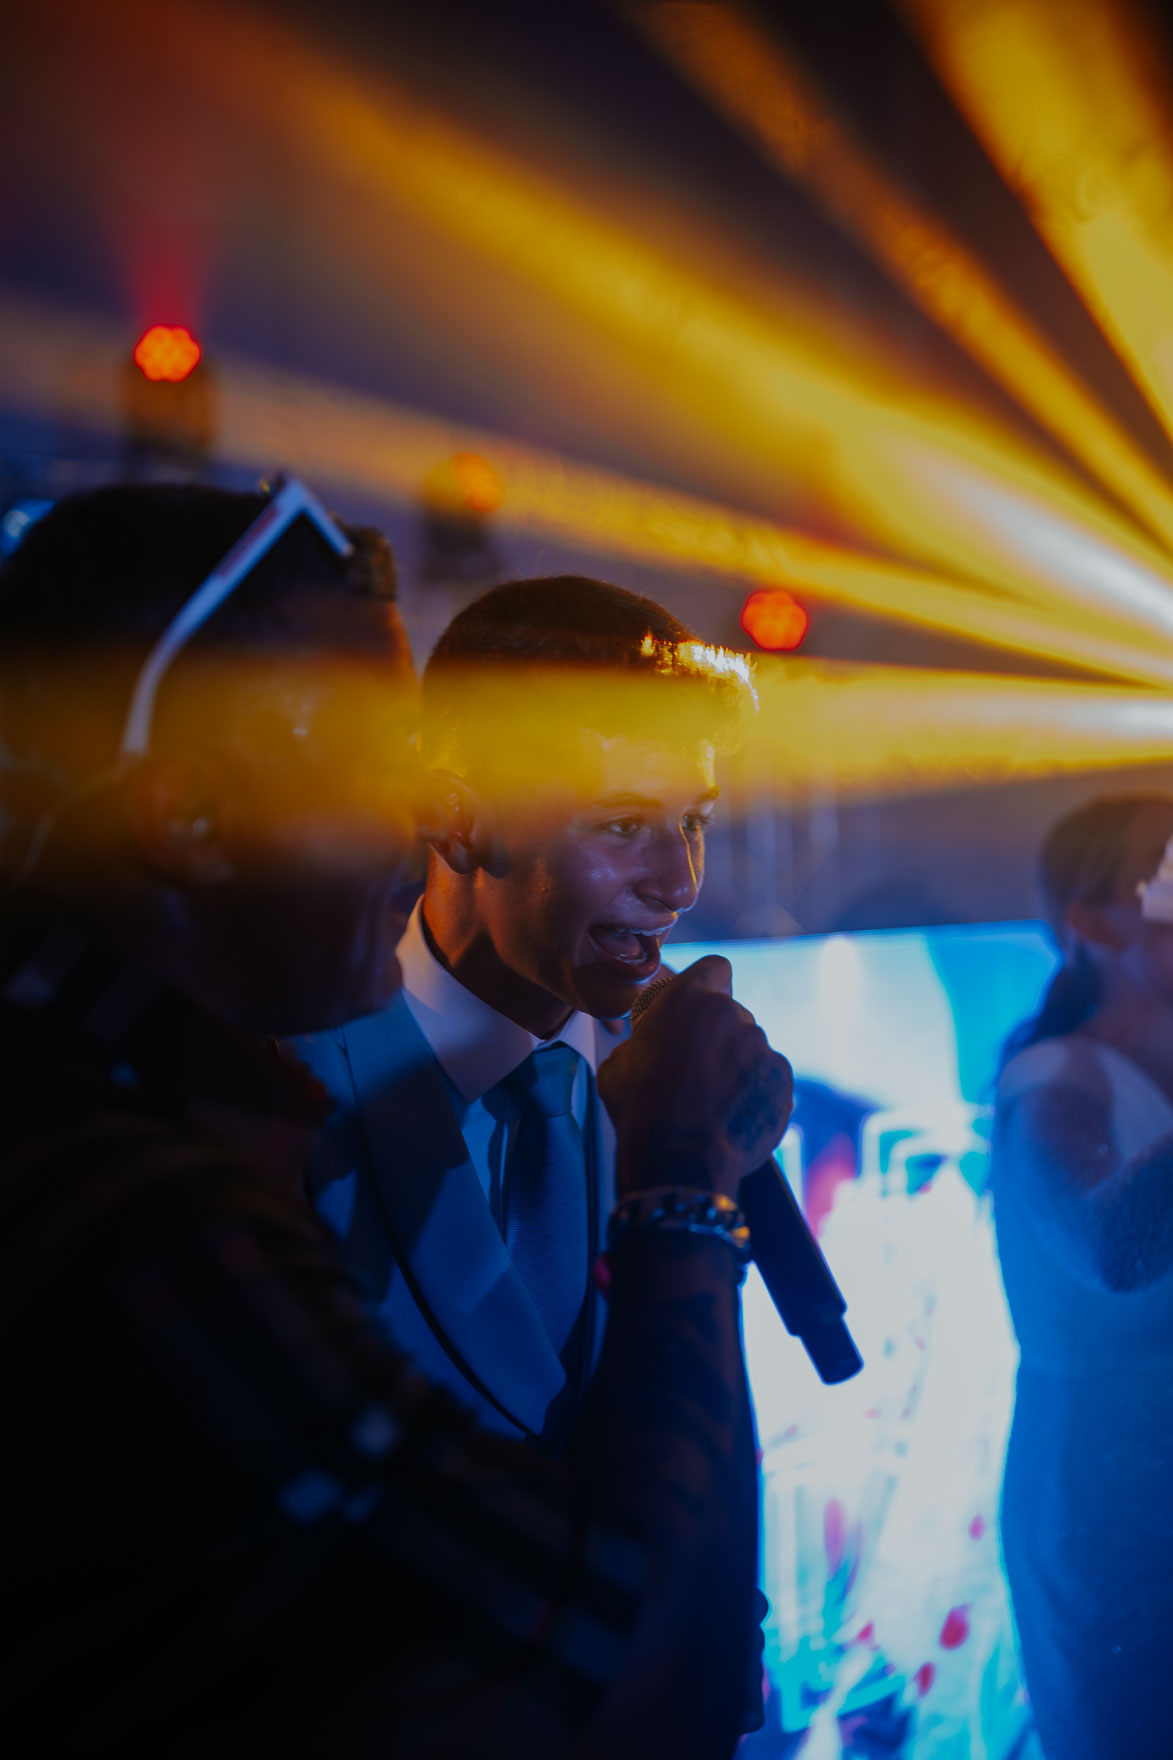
80, 1140
324, 1055
1072, 1061
59, 1096
370, 1048
1056, 1129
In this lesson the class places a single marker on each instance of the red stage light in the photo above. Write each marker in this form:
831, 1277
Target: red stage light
167, 351
774, 618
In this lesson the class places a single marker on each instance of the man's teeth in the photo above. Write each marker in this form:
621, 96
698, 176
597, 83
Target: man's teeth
625, 944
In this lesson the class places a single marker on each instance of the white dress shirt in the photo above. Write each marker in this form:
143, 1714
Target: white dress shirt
476, 1047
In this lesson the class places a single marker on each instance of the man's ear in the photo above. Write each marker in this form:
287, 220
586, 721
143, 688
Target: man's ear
1094, 927
454, 823
184, 818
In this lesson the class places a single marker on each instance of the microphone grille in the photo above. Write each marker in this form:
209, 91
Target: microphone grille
646, 997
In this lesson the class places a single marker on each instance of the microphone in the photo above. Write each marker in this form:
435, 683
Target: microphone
788, 1256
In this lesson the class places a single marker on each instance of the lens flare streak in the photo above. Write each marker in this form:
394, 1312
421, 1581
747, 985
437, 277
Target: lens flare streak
774, 100
1072, 102
945, 518
881, 730
759, 371
354, 442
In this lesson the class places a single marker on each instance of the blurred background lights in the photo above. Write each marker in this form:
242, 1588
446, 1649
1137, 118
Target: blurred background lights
481, 489
838, 980
167, 351
457, 497
774, 618
464, 483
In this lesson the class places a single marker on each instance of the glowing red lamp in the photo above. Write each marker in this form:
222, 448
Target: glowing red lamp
775, 619
167, 351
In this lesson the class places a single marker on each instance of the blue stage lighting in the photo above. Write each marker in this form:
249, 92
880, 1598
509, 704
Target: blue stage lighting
890, 1615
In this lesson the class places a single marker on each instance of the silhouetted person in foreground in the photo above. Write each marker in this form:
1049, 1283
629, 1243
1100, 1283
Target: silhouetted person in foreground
235, 1523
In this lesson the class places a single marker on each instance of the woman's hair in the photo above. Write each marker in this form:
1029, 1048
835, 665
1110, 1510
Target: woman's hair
1078, 864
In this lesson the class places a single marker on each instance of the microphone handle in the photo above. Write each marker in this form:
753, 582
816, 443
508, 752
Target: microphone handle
796, 1274
787, 1254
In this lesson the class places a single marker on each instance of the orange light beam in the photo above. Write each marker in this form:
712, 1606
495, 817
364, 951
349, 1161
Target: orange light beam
1073, 100
60, 364
778, 105
897, 730
766, 373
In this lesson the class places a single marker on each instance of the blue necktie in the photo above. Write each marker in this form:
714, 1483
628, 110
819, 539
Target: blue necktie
546, 1219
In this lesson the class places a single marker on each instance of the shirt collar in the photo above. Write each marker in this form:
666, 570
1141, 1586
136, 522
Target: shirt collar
475, 1045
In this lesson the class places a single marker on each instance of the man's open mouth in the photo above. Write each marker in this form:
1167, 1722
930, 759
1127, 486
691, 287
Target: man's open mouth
634, 952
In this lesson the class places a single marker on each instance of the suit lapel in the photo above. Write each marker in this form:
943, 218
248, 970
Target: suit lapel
605, 1042
445, 1240
603, 1188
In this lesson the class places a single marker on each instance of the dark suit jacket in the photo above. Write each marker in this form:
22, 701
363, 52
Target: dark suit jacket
395, 1181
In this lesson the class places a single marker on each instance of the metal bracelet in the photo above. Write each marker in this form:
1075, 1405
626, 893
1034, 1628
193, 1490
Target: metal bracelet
679, 1210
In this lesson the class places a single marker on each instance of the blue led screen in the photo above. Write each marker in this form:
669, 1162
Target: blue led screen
890, 1630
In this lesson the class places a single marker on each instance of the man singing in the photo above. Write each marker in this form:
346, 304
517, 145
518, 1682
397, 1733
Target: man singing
570, 727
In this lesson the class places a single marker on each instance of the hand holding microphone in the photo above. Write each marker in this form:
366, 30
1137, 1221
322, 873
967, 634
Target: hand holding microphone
698, 1096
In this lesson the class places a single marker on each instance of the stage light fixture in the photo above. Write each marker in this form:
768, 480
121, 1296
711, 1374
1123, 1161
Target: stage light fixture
479, 486
459, 494
169, 400
775, 619
167, 351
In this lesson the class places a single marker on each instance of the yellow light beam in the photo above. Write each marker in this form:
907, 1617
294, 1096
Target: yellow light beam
889, 730
68, 367
778, 104
1073, 101
763, 372
845, 730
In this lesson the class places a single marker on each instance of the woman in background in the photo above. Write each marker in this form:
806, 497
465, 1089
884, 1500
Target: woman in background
1083, 1205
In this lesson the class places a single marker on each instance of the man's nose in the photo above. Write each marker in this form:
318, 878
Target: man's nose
673, 875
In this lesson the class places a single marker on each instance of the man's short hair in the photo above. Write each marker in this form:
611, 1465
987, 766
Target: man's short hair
519, 650
100, 577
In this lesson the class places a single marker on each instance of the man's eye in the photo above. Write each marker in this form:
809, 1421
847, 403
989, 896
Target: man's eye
694, 822
622, 827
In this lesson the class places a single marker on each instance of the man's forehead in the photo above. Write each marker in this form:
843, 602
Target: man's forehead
607, 767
